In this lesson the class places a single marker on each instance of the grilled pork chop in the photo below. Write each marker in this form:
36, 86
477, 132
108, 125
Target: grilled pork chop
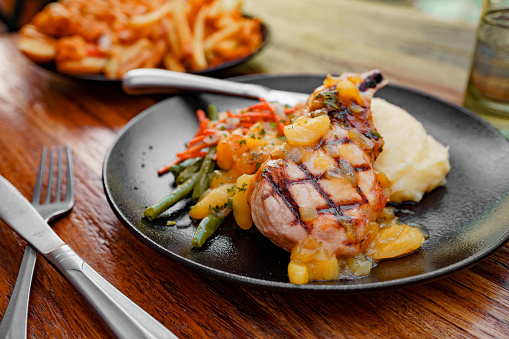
327, 191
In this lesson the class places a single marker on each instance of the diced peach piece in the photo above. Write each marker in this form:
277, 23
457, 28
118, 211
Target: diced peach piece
212, 199
394, 241
305, 131
241, 208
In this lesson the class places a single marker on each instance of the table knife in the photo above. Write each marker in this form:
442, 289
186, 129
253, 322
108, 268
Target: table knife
123, 317
152, 81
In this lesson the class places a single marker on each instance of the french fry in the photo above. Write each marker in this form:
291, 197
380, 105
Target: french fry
172, 38
183, 30
40, 50
155, 58
134, 55
214, 10
224, 33
151, 18
86, 65
172, 63
125, 58
199, 33
135, 62
111, 69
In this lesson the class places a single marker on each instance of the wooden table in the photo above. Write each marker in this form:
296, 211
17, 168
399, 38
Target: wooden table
309, 36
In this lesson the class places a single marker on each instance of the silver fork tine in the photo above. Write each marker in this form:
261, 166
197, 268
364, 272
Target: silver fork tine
69, 191
58, 192
49, 185
37, 195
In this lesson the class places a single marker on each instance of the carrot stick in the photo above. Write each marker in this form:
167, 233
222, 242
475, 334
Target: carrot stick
193, 149
193, 155
291, 110
209, 132
252, 115
280, 125
203, 126
202, 116
246, 125
259, 105
196, 140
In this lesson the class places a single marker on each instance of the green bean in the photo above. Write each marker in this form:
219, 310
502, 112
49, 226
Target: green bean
203, 181
171, 199
208, 226
178, 168
189, 171
213, 112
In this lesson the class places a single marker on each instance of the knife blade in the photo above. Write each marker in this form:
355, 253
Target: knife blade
152, 81
29, 224
123, 317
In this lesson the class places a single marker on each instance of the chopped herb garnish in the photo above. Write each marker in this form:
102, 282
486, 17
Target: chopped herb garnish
218, 208
243, 188
330, 98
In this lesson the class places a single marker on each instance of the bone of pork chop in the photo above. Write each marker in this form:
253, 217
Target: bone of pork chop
346, 195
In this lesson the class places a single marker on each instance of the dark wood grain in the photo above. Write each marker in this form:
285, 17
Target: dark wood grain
40, 108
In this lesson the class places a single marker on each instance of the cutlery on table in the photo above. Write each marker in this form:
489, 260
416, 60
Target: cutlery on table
123, 317
50, 207
151, 80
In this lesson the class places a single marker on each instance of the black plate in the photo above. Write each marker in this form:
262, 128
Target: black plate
212, 71
467, 220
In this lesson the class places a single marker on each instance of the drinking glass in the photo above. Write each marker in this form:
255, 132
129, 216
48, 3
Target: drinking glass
487, 92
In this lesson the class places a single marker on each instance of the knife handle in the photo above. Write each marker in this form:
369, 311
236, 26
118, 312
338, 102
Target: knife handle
151, 81
14, 321
124, 318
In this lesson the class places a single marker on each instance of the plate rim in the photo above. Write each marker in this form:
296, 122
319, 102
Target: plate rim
311, 288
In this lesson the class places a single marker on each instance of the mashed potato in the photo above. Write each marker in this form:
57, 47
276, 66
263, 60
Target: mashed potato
413, 161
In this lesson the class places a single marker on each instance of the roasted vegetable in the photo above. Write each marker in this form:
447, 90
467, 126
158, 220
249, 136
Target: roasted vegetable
171, 199
203, 180
208, 226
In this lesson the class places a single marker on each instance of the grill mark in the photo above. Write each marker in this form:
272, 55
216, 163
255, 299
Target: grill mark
337, 142
363, 196
344, 220
362, 167
343, 141
285, 195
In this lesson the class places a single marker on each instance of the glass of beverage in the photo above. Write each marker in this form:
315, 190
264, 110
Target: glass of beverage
487, 91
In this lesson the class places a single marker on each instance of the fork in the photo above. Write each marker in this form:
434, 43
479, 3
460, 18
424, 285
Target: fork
50, 207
